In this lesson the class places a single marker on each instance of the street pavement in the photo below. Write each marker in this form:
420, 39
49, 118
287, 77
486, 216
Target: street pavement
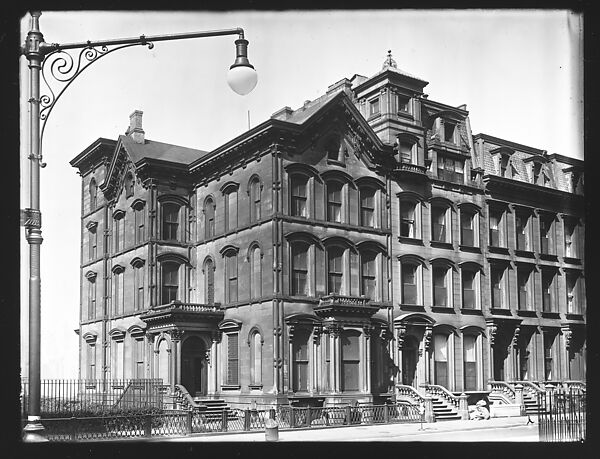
513, 429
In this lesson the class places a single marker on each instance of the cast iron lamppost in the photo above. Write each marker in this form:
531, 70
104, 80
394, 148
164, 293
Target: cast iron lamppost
64, 68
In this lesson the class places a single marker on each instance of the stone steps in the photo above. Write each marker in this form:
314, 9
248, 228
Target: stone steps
443, 411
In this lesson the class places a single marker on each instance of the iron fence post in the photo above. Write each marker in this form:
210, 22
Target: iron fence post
224, 421
307, 417
73, 429
272, 413
148, 425
188, 421
348, 414
386, 414
246, 419
463, 408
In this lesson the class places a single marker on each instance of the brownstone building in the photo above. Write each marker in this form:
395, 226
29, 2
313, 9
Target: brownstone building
364, 243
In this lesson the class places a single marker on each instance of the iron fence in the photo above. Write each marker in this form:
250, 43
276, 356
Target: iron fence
562, 415
85, 397
185, 422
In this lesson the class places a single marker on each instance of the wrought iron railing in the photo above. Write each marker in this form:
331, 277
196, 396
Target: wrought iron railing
442, 392
406, 392
563, 417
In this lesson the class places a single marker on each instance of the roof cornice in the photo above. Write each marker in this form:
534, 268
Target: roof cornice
508, 143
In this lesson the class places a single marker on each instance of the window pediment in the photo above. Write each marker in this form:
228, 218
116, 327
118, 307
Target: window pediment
230, 325
90, 337
370, 182
136, 331
117, 269
172, 257
138, 204
339, 176
302, 236
445, 262
137, 262
302, 169
229, 187
338, 241
118, 214
117, 334
412, 259
469, 207
229, 249
91, 225
91, 275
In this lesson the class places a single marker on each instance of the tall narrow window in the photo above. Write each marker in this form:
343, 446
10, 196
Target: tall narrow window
438, 224
300, 269
334, 202
93, 242
367, 207
129, 185
118, 291
470, 361
522, 230
209, 282
497, 284
406, 152
138, 213
93, 194
547, 282
231, 276
170, 221
91, 361
523, 275
209, 218
496, 233
300, 360
91, 296
572, 300
350, 360
368, 275
139, 286
255, 200
571, 249
119, 231
255, 359
409, 284
467, 228
374, 107
232, 377
170, 282
230, 210
548, 360
469, 300
547, 234
335, 269
403, 103
407, 219
332, 147
299, 197
440, 357
440, 286
255, 273
138, 358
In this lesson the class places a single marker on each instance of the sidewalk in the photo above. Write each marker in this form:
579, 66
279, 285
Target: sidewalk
416, 432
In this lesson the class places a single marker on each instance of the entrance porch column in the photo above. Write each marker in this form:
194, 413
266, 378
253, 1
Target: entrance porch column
492, 329
175, 373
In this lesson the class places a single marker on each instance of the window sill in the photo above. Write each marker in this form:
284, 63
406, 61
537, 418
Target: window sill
524, 253
548, 257
526, 313
255, 386
572, 261
471, 311
501, 250
551, 314
335, 162
442, 245
412, 307
374, 116
500, 311
410, 240
230, 387
469, 248
444, 309
406, 115
574, 316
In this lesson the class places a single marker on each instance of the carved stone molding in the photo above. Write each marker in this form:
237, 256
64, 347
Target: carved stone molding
176, 335
401, 336
427, 337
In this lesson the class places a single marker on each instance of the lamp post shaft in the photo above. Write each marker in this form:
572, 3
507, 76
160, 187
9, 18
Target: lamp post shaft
34, 429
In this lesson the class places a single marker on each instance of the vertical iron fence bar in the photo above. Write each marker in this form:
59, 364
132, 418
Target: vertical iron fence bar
224, 421
307, 417
73, 428
188, 421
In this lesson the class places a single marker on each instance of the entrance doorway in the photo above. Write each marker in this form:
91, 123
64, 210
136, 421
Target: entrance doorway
193, 366
410, 359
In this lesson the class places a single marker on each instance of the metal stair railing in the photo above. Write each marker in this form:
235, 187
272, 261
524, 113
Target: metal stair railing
442, 392
409, 393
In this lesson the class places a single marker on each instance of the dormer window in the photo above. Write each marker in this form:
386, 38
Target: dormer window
449, 130
374, 107
451, 170
403, 104
537, 168
332, 147
129, 185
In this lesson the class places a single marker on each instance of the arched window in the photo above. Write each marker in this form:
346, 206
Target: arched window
334, 201
118, 290
469, 225
209, 281
91, 295
470, 286
231, 276
299, 269
138, 284
256, 343
440, 222
470, 359
368, 273
163, 362
170, 282
333, 148
442, 283
350, 360
407, 151
209, 218
410, 216
92, 240
335, 270
300, 360
170, 221
140, 221
119, 230
411, 280
299, 196
367, 207
255, 192
255, 272
230, 196
93, 189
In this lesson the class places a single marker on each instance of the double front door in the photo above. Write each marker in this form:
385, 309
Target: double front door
194, 366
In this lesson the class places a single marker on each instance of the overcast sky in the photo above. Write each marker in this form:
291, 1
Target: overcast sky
518, 72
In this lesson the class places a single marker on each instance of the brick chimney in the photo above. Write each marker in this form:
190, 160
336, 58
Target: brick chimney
135, 130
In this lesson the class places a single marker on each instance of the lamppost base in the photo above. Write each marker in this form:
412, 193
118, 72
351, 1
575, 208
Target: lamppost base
34, 432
